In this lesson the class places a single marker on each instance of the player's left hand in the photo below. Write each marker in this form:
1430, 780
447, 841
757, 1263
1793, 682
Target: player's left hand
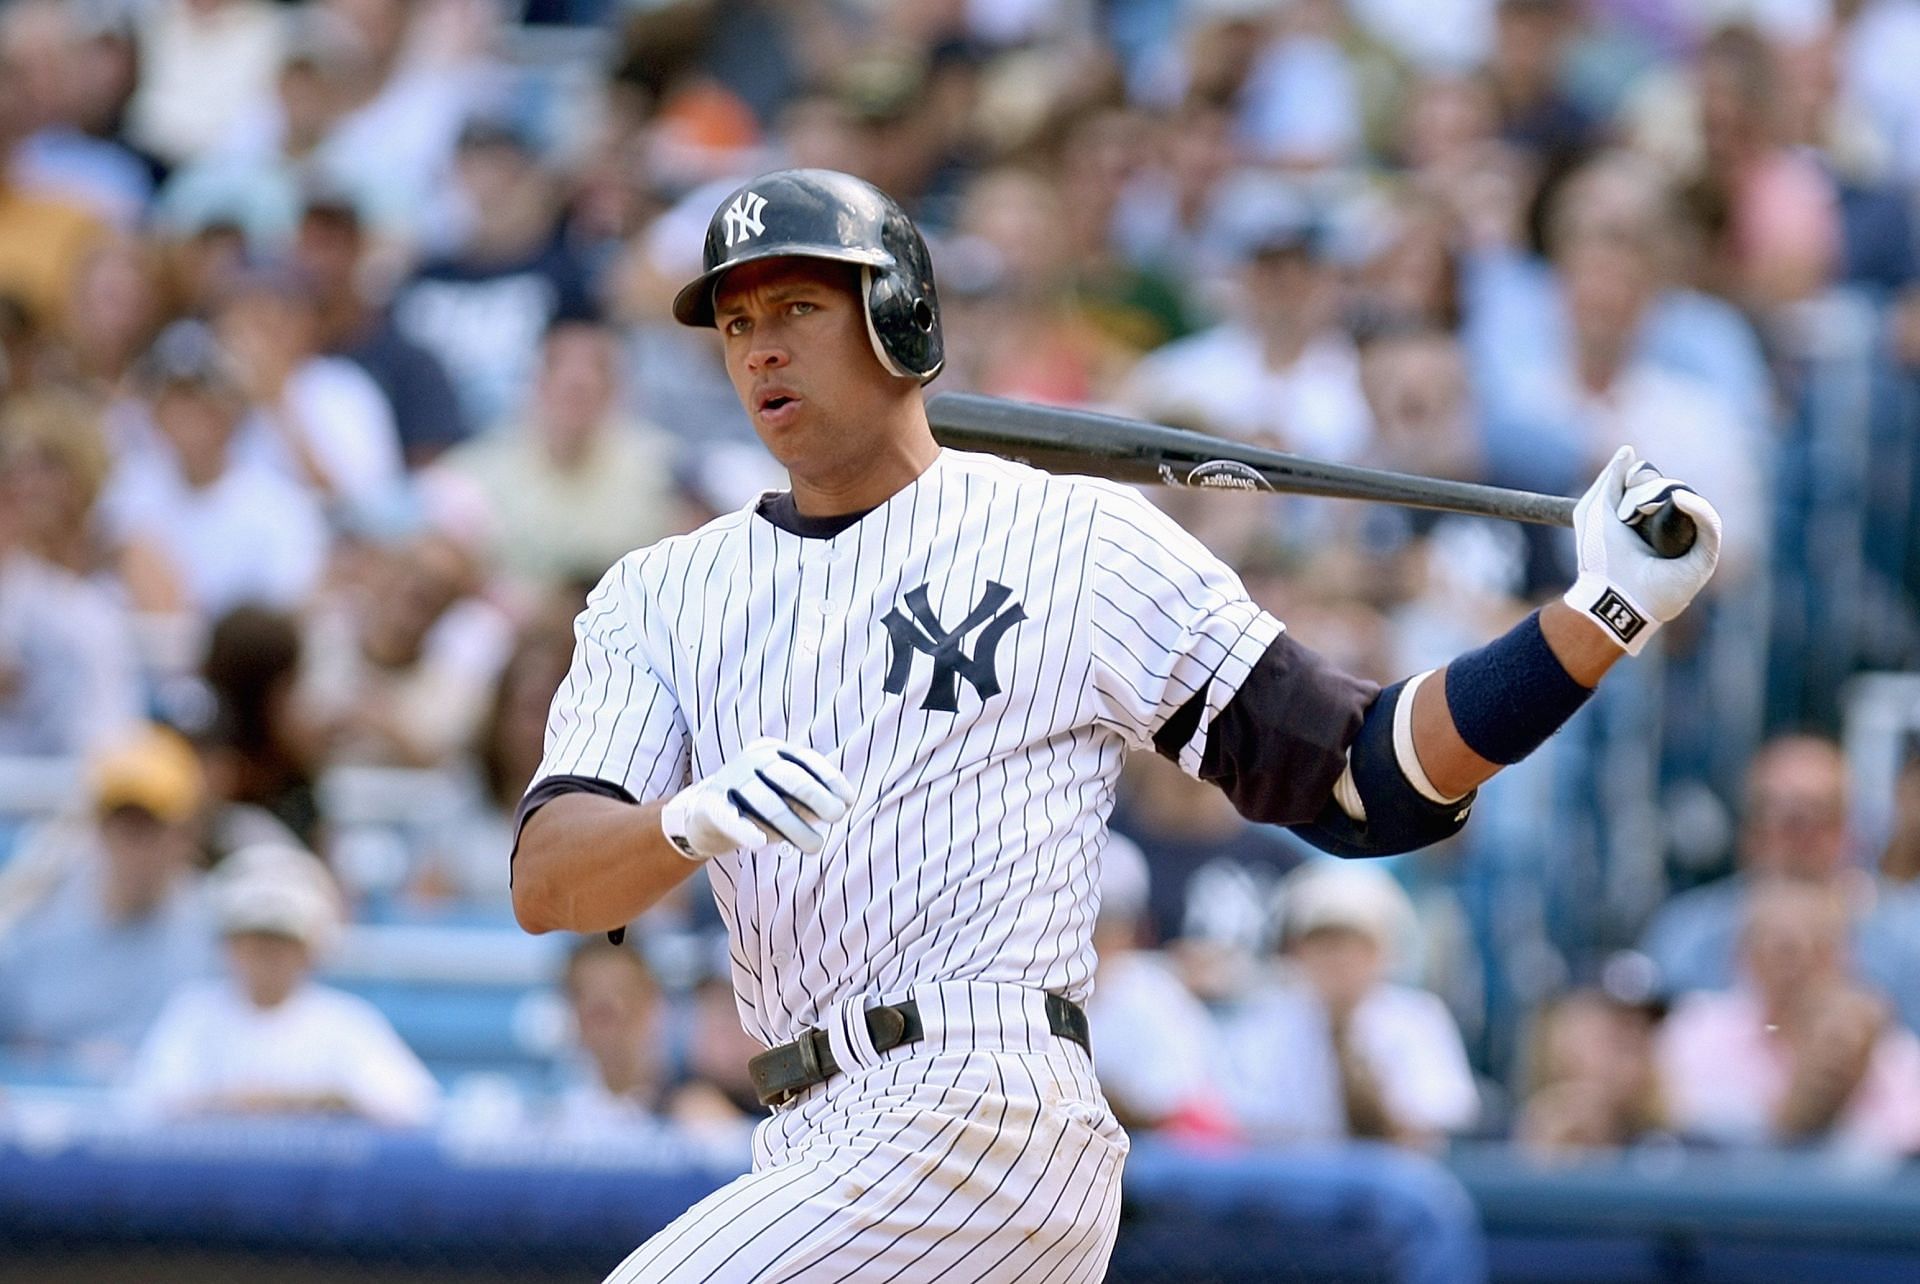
771, 791
1624, 586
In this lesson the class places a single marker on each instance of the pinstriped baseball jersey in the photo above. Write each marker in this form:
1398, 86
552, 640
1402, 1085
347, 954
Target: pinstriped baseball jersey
977, 654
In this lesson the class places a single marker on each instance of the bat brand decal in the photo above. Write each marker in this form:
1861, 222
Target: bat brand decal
1227, 474
923, 632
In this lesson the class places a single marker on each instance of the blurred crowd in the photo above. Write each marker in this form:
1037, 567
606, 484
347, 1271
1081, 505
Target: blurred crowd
336, 365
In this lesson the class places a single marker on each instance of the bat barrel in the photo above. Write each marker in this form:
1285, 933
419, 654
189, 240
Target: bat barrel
1064, 440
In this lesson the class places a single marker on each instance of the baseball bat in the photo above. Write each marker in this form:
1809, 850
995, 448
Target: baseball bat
1083, 441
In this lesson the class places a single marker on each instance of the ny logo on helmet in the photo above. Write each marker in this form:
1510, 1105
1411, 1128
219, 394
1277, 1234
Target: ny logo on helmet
743, 218
924, 633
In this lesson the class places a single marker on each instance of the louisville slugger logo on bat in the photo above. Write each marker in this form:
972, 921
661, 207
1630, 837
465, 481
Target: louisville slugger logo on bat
1227, 474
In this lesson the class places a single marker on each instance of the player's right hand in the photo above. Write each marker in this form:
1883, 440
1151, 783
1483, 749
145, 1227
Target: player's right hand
771, 792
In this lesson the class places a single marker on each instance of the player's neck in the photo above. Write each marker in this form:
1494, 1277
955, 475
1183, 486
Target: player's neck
867, 481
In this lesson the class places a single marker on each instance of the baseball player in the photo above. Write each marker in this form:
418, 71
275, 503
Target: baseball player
887, 710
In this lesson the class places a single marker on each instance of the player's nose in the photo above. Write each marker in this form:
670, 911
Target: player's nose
766, 356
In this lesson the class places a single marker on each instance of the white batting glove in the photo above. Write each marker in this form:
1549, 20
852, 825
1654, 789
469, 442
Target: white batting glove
1624, 586
771, 792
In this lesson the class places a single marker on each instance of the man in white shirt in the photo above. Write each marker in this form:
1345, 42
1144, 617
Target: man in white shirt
267, 1039
1281, 373
1331, 1048
230, 531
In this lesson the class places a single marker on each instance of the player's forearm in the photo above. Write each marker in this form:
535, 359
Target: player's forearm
1454, 768
592, 864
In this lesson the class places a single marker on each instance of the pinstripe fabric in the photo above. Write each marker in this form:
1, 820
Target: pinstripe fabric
985, 1155
984, 761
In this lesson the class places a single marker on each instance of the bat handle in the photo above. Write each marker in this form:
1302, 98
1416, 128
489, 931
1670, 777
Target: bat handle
1667, 530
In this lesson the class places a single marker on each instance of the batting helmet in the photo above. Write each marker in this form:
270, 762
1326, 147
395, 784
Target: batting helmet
822, 214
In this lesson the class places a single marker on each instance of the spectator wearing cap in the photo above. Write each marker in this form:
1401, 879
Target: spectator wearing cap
267, 1039
101, 918
1154, 1042
69, 678
482, 307
1330, 1048
1282, 372
225, 529
332, 252
1798, 1052
576, 485
318, 419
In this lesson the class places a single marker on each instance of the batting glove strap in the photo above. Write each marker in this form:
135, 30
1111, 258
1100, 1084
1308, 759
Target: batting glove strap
1613, 609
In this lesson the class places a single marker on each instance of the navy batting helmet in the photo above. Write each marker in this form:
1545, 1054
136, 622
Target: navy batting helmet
822, 214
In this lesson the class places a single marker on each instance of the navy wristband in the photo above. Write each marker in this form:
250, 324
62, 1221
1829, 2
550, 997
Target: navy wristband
1508, 696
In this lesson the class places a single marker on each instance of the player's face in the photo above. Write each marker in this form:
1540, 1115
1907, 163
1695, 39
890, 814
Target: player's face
798, 354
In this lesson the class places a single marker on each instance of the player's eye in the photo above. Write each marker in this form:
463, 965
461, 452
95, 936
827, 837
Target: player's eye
801, 307
736, 325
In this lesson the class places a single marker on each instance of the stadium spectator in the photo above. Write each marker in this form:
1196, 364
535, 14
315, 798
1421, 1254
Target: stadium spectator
718, 1047
482, 307
1282, 373
1330, 1048
401, 664
625, 1076
1793, 827
256, 179
415, 73
1900, 861
102, 918
576, 485
202, 63
1155, 1044
1591, 1078
114, 313
1562, 352
267, 1039
1213, 878
1798, 1051
69, 676
1526, 72
261, 758
45, 46
332, 252
43, 238
320, 420
1770, 212
223, 527
463, 858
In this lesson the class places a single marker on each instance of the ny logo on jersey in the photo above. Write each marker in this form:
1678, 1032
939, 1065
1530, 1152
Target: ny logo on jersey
924, 633
743, 218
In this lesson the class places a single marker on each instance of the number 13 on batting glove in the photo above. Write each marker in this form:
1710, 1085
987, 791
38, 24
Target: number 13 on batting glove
771, 792
1624, 586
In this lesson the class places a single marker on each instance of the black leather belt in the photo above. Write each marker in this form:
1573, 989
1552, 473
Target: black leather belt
781, 1073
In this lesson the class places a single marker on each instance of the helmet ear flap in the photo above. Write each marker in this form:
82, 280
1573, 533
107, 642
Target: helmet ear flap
902, 325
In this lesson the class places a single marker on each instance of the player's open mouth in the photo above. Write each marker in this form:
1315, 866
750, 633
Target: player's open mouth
777, 408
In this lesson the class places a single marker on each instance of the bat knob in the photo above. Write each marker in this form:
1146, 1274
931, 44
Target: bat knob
1667, 530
